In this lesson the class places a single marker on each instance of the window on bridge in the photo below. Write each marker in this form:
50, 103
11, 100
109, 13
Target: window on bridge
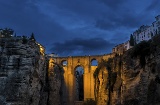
79, 71
94, 62
64, 63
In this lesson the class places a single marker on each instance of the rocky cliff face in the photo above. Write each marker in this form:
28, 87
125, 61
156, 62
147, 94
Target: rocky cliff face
24, 77
55, 80
132, 80
141, 84
22, 73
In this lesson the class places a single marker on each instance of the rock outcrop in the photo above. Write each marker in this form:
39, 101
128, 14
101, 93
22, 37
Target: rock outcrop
22, 73
55, 85
25, 78
131, 83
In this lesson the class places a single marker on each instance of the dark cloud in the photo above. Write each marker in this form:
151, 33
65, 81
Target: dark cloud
57, 21
118, 21
82, 8
25, 18
81, 46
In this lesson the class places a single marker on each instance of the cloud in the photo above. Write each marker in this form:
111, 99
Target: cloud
25, 17
81, 46
63, 21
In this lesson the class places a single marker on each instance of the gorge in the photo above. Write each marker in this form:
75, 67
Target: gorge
30, 77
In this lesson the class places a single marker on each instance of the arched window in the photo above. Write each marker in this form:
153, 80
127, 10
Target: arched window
64, 63
94, 62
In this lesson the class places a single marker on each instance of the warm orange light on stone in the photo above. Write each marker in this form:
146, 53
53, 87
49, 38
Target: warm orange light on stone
69, 74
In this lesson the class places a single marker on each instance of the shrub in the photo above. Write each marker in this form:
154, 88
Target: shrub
24, 40
99, 67
141, 50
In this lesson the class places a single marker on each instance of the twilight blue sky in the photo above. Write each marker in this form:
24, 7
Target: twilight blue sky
78, 27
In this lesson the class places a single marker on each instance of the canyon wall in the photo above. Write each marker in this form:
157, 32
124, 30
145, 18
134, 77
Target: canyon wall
55, 80
132, 80
25, 78
28, 77
22, 73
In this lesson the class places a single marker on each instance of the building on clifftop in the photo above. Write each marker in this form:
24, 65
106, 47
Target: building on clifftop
147, 32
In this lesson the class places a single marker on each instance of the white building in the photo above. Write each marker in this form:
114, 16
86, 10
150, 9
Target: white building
147, 32
121, 48
127, 45
143, 33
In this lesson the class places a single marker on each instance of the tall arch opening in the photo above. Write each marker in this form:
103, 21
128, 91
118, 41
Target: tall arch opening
94, 62
79, 83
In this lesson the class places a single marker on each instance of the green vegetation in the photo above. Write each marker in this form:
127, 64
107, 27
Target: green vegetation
131, 41
32, 37
24, 40
103, 63
141, 50
145, 48
100, 65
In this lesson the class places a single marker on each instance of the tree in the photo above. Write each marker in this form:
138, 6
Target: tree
32, 37
7, 32
131, 41
24, 40
141, 50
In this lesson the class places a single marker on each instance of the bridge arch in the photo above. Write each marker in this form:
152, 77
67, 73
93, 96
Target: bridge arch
78, 67
64, 63
79, 83
94, 62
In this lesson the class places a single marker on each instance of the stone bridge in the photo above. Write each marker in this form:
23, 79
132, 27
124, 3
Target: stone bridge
70, 64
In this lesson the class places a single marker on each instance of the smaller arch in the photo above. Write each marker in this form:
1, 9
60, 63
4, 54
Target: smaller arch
94, 62
64, 62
